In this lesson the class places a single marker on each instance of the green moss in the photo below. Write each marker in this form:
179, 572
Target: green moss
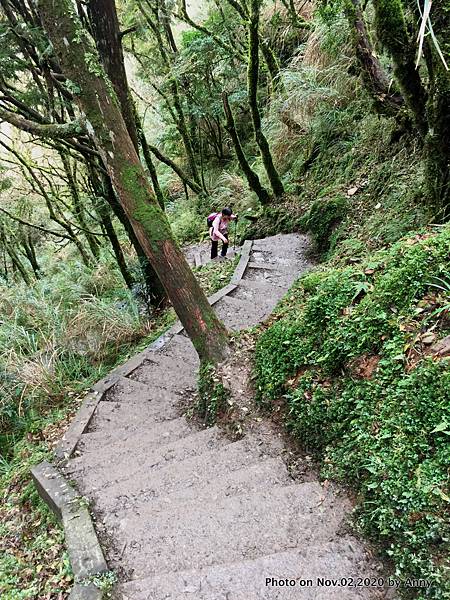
322, 220
344, 350
147, 210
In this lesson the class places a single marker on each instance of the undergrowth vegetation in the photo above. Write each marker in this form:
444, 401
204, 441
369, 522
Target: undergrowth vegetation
360, 355
354, 178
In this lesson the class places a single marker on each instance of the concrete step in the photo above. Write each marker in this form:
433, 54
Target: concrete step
271, 266
93, 472
200, 469
280, 279
262, 293
282, 245
261, 578
179, 348
129, 390
241, 527
264, 474
118, 425
168, 372
239, 314
112, 415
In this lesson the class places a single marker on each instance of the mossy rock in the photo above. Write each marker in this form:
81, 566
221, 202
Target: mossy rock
272, 221
322, 220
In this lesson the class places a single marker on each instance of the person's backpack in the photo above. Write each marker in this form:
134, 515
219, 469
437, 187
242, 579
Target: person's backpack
210, 219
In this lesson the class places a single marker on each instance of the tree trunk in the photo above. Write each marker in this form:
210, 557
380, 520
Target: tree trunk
105, 25
377, 83
252, 84
273, 67
392, 31
103, 211
108, 130
17, 264
78, 207
150, 164
101, 184
252, 178
30, 253
437, 142
187, 181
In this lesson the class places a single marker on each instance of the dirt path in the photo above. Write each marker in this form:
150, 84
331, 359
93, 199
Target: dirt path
188, 513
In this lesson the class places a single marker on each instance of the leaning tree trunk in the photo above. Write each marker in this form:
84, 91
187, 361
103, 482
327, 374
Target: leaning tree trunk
252, 84
108, 130
106, 30
105, 25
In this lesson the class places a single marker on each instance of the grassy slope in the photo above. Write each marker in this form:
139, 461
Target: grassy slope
348, 350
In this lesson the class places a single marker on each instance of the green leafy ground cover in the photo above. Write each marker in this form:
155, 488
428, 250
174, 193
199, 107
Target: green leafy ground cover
353, 351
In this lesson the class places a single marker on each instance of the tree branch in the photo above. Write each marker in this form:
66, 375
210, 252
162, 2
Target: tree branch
66, 130
38, 227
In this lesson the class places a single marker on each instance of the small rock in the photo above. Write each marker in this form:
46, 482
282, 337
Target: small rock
428, 338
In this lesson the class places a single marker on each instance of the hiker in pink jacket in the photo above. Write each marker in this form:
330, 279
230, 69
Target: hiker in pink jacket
218, 224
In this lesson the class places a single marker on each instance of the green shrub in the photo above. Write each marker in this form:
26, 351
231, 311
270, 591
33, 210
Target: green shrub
188, 226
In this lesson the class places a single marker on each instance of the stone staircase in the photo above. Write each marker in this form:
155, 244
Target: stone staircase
186, 513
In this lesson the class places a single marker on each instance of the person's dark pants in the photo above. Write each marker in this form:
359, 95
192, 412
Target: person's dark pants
215, 248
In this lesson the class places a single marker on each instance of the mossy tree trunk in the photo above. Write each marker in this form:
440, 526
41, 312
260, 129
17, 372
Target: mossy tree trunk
30, 253
149, 163
272, 64
106, 30
429, 106
16, 263
393, 34
252, 177
252, 86
437, 142
187, 181
108, 130
78, 209
375, 79
104, 213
